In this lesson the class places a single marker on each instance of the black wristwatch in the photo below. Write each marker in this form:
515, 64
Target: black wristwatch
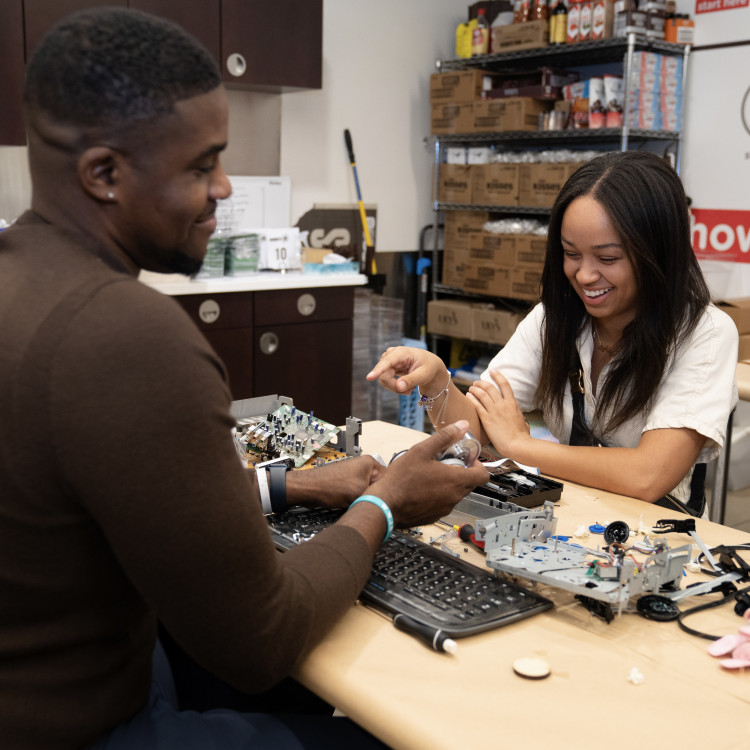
277, 486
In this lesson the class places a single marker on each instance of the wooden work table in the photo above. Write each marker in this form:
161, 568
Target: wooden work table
412, 697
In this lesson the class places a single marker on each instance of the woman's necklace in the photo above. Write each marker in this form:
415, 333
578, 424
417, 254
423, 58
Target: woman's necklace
608, 351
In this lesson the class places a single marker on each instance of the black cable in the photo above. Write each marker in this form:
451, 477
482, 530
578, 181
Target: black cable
710, 571
702, 607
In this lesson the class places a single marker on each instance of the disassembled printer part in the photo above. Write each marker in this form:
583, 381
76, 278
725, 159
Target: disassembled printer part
506, 492
286, 432
522, 543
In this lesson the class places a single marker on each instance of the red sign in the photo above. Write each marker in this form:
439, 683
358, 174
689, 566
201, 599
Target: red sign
721, 234
711, 6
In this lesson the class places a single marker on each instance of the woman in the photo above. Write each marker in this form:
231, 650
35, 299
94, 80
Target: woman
625, 316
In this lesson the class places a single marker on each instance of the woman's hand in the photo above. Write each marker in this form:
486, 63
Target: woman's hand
498, 410
403, 368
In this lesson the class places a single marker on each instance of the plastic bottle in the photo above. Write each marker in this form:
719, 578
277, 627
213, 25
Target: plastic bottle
463, 40
539, 11
480, 37
558, 23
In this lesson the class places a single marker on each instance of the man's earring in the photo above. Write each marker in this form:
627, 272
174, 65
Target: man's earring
111, 195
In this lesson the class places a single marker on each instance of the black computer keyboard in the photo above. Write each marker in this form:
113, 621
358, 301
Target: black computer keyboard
424, 582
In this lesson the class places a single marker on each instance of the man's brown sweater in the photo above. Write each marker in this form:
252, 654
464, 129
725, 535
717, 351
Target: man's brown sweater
122, 500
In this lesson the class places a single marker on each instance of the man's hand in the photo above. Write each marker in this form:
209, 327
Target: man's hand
333, 485
418, 489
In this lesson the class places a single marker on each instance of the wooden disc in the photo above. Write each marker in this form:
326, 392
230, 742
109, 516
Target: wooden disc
531, 668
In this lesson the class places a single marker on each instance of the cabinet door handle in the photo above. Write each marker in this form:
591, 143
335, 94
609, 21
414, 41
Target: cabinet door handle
306, 304
269, 342
236, 64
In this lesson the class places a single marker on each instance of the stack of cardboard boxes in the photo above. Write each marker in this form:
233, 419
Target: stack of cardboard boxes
457, 106
472, 321
499, 265
534, 185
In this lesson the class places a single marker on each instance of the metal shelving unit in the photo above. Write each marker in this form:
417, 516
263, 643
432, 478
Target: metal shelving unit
582, 54
572, 55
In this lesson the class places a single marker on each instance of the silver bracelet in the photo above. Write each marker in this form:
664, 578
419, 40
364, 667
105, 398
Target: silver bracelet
427, 401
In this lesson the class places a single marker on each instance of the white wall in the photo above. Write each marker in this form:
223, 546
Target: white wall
377, 59
15, 182
716, 143
254, 132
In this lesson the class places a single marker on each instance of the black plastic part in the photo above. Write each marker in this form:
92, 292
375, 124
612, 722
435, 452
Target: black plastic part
504, 489
465, 531
376, 282
617, 531
597, 607
659, 608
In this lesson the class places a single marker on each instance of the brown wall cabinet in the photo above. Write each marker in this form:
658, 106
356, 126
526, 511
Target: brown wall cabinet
11, 72
292, 342
260, 46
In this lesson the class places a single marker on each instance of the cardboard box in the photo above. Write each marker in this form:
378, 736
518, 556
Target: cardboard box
524, 284
451, 118
507, 250
743, 352
486, 279
738, 309
314, 254
460, 225
513, 113
539, 184
495, 326
543, 83
454, 183
454, 262
450, 318
456, 87
518, 36
531, 250
494, 184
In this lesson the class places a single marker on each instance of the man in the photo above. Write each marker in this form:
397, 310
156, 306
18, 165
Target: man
121, 497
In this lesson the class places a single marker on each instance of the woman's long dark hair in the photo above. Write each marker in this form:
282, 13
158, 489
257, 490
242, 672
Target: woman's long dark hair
646, 203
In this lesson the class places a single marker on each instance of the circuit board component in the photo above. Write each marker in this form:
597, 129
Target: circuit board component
285, 433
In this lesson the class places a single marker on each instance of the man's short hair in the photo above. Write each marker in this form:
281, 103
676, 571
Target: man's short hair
110, 67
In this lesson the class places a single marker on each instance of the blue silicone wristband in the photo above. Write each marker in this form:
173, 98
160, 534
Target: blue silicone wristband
382, 505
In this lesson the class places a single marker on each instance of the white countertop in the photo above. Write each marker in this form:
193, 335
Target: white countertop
175, 284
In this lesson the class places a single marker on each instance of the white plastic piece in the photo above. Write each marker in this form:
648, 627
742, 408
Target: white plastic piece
636, 676
450, 646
